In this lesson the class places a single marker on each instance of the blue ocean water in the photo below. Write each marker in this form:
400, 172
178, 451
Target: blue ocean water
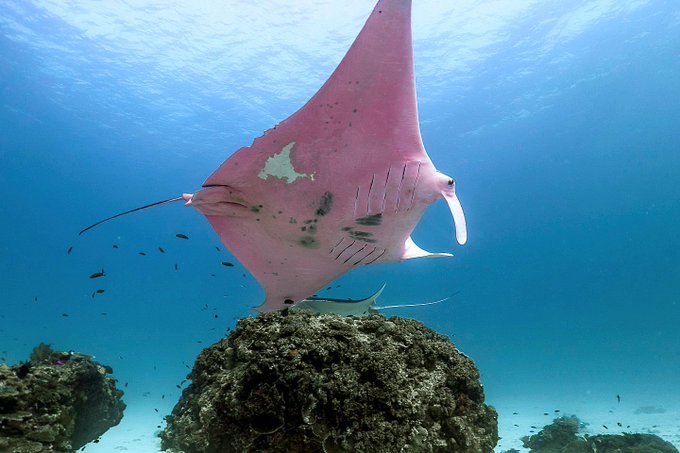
559, 120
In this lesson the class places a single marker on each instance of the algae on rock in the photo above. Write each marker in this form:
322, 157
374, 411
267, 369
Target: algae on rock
298, 382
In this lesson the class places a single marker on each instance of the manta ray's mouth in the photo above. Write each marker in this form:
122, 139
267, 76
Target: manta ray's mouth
220, 200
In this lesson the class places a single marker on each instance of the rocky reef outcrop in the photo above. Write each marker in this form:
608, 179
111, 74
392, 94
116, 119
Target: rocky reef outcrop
299, 382
56, 402
562, 437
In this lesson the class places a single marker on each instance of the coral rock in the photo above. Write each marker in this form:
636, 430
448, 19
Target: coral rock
57, 402
298, 382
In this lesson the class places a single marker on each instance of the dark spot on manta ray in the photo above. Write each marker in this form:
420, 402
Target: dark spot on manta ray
289, 302
371, 220
312, 229
304, 228
182, 236
450, 182
292, 220
255, 208
309, 242
325, 204
362, 236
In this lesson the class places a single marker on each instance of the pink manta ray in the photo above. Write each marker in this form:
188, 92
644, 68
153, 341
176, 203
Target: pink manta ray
340, 183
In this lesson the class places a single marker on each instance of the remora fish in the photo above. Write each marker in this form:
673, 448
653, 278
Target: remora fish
354, 307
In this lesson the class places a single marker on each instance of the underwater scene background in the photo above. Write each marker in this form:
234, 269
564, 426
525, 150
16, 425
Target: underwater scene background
559, 120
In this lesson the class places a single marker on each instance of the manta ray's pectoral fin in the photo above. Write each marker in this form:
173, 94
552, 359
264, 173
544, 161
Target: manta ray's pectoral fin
411, 250
458, 215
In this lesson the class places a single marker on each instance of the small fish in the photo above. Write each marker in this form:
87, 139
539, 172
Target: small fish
35, 299
182, 236
65, 315
175, 266
98, 274
115, 246
68, 252
93, 293
218, 249
605, 426
228, 264
619, 424
160, 249
618, 398
100, 291
142, 253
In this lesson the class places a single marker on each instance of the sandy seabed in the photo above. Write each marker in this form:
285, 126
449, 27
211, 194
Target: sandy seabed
138, 431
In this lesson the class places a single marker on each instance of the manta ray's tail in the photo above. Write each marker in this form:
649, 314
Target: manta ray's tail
152, 205
387, 307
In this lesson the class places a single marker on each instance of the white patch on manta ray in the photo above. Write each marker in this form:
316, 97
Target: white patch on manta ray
280, 166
